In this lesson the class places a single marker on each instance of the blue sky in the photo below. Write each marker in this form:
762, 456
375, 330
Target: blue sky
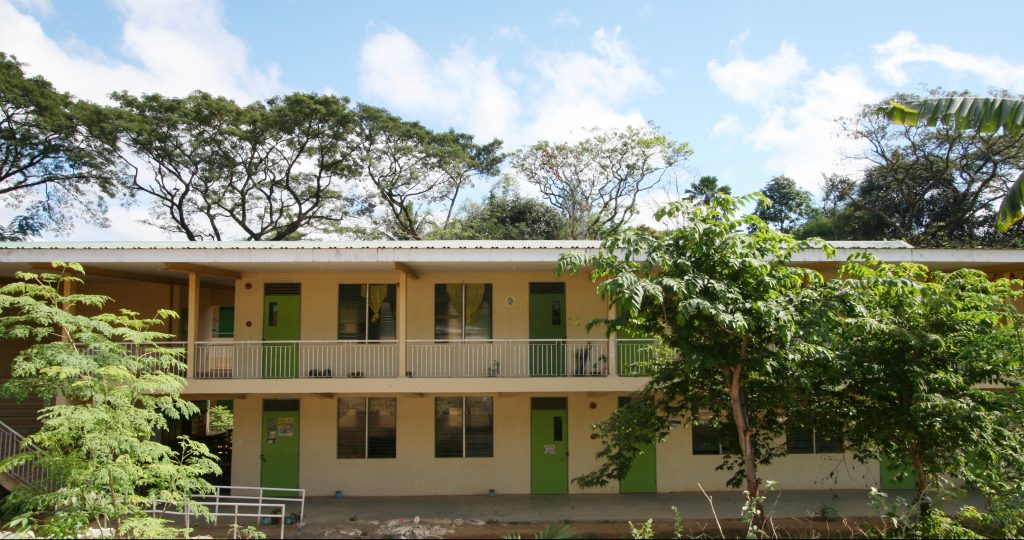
752, 86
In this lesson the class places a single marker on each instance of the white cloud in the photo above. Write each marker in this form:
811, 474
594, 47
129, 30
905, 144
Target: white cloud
905, 49
171, 47
565, 18
796, 111
802, 139
511, 33
461, 88
43, 7
562, 93
728, 124
757, 81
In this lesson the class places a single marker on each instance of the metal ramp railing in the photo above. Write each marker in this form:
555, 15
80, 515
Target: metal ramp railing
241, 502
28, 473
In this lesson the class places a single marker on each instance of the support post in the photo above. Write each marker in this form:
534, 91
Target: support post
193, 320
613, 347
403, 317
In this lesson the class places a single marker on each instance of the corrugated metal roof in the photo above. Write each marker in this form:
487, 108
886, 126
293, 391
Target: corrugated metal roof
870, 244
419, 244
311, 244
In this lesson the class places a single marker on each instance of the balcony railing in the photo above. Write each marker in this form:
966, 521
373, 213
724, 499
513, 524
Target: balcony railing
508, 358
295, 359
425, 358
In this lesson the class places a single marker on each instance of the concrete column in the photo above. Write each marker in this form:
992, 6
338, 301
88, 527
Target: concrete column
613, 348
193, 319
403, 318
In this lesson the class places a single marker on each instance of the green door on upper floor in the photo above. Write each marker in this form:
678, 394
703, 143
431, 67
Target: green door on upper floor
281, 322
547, 329
549, 446
279, 449
643, 472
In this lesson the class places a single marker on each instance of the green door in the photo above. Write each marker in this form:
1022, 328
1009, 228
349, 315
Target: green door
547, 329
281, 322
549, 446
888, 472
280, 445
643, 473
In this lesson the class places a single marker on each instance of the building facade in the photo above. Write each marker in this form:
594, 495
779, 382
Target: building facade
422, 368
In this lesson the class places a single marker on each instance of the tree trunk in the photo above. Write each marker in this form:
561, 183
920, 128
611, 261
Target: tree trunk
923, 502
739, 415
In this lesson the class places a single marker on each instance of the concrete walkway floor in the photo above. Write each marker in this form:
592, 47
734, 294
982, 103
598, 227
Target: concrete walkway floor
597, 507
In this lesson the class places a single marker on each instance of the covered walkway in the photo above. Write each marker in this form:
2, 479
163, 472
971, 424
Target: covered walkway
546, 508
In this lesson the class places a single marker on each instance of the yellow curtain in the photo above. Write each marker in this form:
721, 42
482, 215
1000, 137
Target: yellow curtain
455, 296
474, 300
377, 295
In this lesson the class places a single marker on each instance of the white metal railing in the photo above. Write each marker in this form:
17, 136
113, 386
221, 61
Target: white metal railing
10, 445
241, 502
508, 358
257, 511
635, 357
142, 349
295, 359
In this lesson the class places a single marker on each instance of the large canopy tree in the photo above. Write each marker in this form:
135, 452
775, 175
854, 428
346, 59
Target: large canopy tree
273, 170
417, 174
719, 294
507, 214
596, 181
57, 163
787, 205
980, 114
923, 368
930, 186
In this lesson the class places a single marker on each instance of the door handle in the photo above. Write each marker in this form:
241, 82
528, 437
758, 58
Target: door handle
263, 458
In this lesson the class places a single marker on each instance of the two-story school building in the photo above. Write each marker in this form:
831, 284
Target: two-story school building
422, 368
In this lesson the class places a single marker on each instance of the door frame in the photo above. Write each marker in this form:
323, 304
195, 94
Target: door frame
548, 403
298, 439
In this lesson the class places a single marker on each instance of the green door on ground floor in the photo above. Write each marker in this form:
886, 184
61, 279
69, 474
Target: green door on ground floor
549, 446
888, 472
279, 451
643, 472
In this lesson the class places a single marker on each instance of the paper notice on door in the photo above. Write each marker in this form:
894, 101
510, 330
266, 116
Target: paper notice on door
549, 449
284, 427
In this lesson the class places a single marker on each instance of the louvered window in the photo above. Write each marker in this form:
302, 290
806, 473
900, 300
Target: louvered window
367, 312
464, 427
463, 311
367, 428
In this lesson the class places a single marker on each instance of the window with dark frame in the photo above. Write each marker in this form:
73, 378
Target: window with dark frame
710, 439
463, 311
367, 312
463, 427
802, 440
367, 428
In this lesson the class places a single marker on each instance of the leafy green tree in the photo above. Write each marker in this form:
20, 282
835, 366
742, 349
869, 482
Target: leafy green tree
57, 165
725, 305
506, 214
215, 170
705, 189
595, 182
983, 115
914, 357
96, 445
418, 174
787, 205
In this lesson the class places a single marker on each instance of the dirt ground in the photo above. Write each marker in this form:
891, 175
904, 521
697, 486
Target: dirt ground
461, 529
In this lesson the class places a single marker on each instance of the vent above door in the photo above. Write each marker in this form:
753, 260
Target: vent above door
282, 288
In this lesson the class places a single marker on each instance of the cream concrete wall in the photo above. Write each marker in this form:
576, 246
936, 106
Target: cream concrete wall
680, 470
245, 457
319, 301
415, 470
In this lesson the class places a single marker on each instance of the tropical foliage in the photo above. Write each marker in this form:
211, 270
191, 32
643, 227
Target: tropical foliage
725, 306
980, 114
115, 389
